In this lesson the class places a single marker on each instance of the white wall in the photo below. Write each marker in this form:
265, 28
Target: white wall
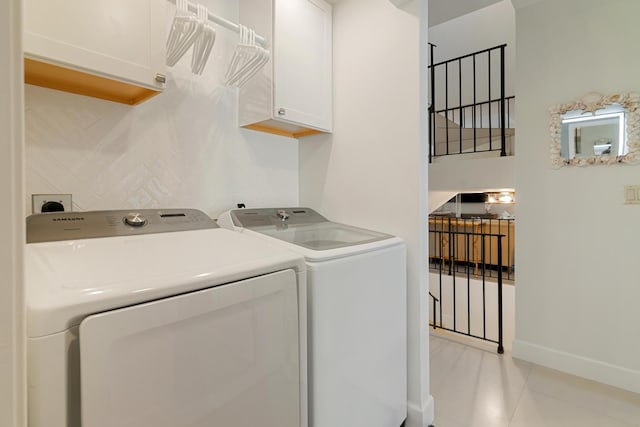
372, 171
467, 174
182, 148
12, 374
578, 280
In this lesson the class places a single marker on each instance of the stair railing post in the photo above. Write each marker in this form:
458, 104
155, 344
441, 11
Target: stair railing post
434, 312
432, 114
500, 341
460, 101
446, 104
475, 130
503, 147
489, 97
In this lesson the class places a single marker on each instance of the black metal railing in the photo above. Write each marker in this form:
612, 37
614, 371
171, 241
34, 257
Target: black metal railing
479, 248
456, 257
481, 115
433, 312
461, 104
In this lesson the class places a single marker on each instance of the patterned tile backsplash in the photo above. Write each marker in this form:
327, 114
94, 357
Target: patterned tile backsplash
182, 148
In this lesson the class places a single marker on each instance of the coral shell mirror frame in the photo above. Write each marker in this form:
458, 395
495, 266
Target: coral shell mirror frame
591, 103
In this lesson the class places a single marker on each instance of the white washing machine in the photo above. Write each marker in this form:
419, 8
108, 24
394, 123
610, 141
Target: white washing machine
159, 318
356, 287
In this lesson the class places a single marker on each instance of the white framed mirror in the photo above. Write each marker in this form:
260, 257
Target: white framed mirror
596, 129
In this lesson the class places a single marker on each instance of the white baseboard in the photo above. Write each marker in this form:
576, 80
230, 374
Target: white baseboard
420, 417
592, 369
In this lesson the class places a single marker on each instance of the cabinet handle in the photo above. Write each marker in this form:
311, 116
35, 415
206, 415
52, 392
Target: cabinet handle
282, 112
161, 78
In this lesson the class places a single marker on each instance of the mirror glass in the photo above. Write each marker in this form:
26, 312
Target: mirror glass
593, 135
595, 130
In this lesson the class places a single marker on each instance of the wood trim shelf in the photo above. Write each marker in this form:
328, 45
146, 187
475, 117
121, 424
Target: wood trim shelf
300, 133
69, 80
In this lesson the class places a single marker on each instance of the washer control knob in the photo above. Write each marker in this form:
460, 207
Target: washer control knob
135, 220
283, 215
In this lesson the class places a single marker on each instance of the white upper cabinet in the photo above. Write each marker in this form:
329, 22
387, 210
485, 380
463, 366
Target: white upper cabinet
302, 62
292, 95
110, 49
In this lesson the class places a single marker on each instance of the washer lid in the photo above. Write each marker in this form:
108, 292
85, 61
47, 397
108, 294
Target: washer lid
304, 227
322, 236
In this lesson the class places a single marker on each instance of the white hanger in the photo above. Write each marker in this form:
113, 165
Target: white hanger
241, 55
183, 33
257, 62
204, 42
248, 58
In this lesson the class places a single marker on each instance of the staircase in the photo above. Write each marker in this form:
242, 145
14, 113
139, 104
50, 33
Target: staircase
439, 198
451, 138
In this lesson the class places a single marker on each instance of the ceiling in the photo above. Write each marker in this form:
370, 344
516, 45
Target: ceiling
442, 10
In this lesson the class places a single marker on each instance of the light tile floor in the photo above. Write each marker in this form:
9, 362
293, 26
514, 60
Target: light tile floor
473, 386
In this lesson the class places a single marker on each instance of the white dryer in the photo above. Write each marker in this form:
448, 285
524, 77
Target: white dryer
159, 318
356, 287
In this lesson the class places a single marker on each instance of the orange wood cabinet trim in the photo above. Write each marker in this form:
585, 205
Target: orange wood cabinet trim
277, 131
65, 79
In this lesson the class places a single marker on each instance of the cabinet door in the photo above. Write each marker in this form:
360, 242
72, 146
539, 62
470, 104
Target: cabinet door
118, 39
303, 62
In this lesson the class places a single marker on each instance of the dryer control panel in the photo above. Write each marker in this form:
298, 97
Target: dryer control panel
57, 226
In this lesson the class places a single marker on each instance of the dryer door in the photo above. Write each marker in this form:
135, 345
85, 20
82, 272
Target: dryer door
223, 356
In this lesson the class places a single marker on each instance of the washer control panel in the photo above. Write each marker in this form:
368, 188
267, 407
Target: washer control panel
57, 226
250, 218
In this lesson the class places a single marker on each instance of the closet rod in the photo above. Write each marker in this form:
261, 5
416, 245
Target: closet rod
223, 22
